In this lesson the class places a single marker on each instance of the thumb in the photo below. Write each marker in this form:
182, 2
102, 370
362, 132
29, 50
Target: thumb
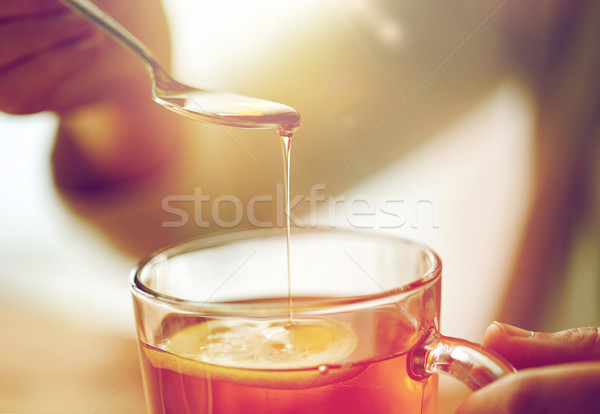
557, 389
526, 349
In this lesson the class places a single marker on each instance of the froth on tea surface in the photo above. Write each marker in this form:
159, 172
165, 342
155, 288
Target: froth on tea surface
353, 364
264, 344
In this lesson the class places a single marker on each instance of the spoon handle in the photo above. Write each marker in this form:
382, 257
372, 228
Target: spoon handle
110, 25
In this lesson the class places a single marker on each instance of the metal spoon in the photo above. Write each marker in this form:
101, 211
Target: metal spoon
221, 108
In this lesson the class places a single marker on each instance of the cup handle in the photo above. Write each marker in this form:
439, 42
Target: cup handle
470, 363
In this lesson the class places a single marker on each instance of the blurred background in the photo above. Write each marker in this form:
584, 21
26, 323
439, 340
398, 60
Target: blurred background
408, 102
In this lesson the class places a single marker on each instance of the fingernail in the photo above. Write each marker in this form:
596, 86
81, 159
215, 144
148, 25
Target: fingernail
513, 330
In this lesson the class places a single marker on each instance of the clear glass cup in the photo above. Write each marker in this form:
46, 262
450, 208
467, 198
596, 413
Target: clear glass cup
217, 334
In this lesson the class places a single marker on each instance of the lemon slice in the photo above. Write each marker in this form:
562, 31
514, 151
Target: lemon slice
280, 354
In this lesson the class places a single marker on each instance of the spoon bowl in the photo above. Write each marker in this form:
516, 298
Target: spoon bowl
220, 108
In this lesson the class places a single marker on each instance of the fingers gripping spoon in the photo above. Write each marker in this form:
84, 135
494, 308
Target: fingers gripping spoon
220, 108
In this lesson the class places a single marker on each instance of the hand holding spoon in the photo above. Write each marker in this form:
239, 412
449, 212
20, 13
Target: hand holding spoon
220, 108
